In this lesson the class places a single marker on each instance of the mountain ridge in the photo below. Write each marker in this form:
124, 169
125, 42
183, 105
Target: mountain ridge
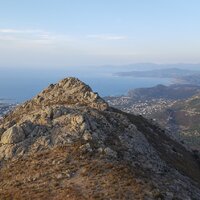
67, 142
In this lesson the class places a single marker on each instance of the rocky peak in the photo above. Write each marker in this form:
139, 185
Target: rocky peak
70, 91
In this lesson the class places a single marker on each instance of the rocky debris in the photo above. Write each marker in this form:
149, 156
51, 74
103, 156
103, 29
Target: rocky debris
69, 115
86, 148
109, 152
87, 136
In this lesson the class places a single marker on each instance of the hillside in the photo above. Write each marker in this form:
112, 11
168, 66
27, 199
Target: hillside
183, 118
171, 92
147, 101
67, 143
190, 79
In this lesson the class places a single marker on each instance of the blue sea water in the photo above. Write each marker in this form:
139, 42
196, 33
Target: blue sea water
21, 85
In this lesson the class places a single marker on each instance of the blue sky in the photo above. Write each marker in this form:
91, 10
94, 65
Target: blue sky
59, 33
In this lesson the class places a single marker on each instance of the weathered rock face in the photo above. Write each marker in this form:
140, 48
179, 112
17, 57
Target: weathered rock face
13, 135
70, 91
69, 115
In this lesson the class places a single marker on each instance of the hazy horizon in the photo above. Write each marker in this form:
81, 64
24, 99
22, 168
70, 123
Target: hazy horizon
62, 33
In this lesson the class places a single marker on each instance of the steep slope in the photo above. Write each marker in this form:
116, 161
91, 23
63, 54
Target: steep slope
67, 143
183, 118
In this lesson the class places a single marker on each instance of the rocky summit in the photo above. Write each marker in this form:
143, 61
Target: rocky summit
67, 143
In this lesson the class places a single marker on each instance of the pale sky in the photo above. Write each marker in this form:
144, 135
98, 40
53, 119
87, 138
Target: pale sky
59, 33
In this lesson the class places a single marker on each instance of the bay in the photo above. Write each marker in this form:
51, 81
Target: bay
21, 85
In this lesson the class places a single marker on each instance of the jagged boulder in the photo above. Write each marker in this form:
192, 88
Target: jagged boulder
70, 91
13, 135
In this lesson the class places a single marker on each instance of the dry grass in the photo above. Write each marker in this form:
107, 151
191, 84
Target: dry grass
63, 173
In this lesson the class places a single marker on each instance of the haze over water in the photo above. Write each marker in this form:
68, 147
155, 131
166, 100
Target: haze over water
21, 85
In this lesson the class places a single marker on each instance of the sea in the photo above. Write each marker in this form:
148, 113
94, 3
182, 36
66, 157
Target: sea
19, 85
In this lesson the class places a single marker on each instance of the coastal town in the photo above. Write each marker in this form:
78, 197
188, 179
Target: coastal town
5, 107
145, 108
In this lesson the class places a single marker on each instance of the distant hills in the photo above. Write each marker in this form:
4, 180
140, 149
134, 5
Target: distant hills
152, 66
189, 79
160, 73
178, 75
172, 92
